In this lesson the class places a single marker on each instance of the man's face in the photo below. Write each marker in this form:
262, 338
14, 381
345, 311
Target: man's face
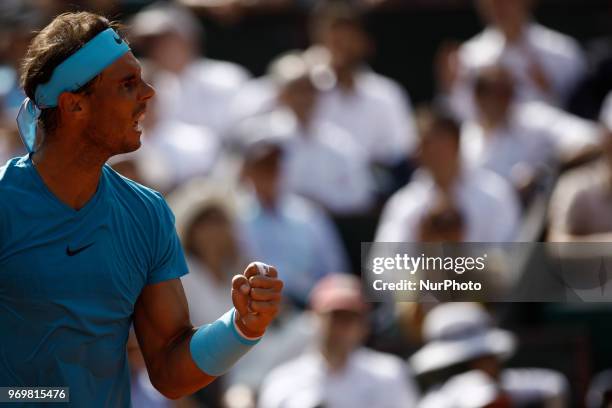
348, 44
343, 331
438, 151
170, 51
264, 173
299, 96
494, 95
212, 236
117, 105
505, 14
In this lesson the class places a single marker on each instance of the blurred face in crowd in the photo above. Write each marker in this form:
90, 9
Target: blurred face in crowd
348, 44
170, 51
439, 152
342, 331
508, 15
443, 223
487, 364
211, 238
264, 173
494, 95
299, 96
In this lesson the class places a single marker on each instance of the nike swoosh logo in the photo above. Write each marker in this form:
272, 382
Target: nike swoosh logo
73, 252
117, 40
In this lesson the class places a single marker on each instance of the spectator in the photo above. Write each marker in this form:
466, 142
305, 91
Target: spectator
190, 88
442, 223
292, 333
599, 394
279, 228
545, 65
497, 141
339, 372
174, 152
323, 163
205, 222
462, 336
478, 195
473, 389
580, 207
371, 107
142, 392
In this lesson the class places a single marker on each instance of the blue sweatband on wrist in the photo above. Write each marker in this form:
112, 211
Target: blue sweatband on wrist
216, 347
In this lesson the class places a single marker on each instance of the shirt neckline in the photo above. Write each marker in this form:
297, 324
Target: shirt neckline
59, 203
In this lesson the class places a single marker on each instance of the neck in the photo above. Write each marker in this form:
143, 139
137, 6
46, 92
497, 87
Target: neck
346, 78
336, 360
70, 172
490, 124
446, 180
513, 33
303, 119
267, 201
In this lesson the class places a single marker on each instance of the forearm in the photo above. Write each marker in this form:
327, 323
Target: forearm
173, 372
197, 356
181, 359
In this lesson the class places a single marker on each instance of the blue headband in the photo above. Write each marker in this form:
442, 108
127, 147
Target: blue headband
74, 72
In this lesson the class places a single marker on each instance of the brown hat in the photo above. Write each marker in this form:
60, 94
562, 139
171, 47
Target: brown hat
338, 292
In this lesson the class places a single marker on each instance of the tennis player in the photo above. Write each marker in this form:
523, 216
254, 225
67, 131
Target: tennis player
84, 252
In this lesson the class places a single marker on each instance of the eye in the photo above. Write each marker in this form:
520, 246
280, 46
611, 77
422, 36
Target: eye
129, 85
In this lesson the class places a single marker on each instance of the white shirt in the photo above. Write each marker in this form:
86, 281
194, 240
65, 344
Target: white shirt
568, 133
605, 116
255, 97
182, 151
376, 113
325, 165
503, 148
557, 55
297, 238
370, 379
288, 336
487, 202
524, 387
201, 94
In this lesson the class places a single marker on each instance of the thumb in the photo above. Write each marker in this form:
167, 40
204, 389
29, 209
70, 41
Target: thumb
240, 294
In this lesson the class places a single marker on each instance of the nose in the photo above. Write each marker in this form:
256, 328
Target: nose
148, 91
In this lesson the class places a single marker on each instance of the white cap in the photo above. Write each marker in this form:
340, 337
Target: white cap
459, 332
161, 18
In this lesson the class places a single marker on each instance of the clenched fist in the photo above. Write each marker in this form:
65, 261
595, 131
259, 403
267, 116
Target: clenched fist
256, 295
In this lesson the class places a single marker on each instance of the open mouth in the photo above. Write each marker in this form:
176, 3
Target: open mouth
138, 122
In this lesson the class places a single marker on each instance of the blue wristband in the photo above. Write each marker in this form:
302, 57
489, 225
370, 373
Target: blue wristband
216, 347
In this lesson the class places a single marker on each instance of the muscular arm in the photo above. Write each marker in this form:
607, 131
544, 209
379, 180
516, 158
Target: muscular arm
164, 330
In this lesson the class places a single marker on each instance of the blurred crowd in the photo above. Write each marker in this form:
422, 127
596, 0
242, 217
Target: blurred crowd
300, 165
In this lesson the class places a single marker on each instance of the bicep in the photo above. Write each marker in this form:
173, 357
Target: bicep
161, 318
